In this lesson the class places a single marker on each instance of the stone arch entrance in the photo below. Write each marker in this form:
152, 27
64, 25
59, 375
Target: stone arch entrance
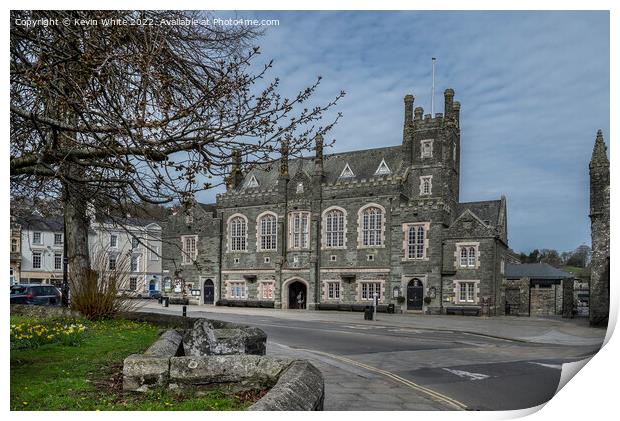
295, 294
415, 294
209, 292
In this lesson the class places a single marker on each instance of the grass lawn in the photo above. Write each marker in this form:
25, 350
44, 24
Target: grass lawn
89, 376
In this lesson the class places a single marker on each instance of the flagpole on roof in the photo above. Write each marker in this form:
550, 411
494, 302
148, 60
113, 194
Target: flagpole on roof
433, 89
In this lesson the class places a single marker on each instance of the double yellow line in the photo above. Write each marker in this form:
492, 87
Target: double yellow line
435, 395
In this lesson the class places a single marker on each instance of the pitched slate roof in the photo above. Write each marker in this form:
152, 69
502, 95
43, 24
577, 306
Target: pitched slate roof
534, 271
487, 210
363, 164
40, 223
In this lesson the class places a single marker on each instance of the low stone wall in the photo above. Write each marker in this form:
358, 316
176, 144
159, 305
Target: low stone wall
208, 352
299, 388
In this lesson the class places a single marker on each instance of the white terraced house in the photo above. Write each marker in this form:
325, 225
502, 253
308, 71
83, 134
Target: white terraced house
133, 248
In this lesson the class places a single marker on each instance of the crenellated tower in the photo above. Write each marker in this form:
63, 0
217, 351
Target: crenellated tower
431, 146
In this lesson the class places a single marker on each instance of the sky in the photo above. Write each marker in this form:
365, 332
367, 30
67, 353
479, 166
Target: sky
534, 87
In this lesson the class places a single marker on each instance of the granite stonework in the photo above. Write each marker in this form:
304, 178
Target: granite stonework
599, 218
206, 339
218, 353
388, 180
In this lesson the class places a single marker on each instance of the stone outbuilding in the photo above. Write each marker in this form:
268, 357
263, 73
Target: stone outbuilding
537, 289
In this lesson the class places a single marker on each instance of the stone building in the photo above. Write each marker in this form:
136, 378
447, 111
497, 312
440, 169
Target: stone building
339, 228
599, 217
191, 254
536, 289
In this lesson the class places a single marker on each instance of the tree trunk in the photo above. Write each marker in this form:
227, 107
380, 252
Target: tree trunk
76, 228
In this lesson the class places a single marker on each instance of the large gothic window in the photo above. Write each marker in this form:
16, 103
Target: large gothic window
416, 242
334, 228
238, 233
372, 227
268, 229
299, 230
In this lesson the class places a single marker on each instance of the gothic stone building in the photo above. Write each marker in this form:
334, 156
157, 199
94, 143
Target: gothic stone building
337, 229
599, 217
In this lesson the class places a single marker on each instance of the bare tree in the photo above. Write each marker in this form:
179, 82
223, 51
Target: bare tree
111, 115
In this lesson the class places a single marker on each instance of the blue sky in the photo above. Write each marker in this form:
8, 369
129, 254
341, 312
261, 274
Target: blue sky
533, 87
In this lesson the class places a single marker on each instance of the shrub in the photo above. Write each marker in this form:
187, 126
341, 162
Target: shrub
95, 293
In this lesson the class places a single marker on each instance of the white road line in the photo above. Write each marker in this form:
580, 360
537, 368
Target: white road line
554, 366
467, 374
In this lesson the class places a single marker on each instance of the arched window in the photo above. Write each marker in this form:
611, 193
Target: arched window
237, 233
471, 260
334, 228
464, 255
372, 226
416, 242
267, 234
468, 257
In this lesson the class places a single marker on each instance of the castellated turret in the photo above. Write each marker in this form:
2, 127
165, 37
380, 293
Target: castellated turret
431, 145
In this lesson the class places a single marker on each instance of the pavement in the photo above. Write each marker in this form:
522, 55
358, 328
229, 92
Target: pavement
550, 330
421, 362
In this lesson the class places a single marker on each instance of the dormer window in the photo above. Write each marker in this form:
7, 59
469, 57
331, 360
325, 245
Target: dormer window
383, 169
252, 183
300, 188
347, 172
426, 147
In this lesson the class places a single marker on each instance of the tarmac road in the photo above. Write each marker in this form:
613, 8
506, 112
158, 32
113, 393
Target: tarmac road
383, 366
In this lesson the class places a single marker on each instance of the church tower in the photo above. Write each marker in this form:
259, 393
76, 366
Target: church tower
599, 218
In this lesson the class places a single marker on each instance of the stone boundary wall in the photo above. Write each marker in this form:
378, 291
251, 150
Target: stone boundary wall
295, 385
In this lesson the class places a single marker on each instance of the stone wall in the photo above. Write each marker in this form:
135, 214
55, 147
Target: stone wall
546, 301
213, 352
517, 297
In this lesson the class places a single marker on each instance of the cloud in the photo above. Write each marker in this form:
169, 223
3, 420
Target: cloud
534, 88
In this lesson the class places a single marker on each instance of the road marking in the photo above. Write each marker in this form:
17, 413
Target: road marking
433, 394
467, 374
554, 366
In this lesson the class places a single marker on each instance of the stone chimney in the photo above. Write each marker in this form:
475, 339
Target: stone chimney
318, 159
284, 159
236, 175
409, 109
448, 97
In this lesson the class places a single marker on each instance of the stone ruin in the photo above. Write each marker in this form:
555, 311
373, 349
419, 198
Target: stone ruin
218, 353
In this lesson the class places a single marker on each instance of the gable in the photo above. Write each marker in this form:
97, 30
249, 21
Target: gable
469, 224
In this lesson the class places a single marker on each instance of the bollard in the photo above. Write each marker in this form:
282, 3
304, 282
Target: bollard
184, 311
166, 301
159, 300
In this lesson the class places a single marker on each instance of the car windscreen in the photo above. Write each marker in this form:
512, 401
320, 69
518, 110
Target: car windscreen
18, 290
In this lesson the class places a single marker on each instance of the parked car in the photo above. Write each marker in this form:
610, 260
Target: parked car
36, 294
155, 294
127, 293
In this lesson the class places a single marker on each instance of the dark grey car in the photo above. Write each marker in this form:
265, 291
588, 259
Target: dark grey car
35, 294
